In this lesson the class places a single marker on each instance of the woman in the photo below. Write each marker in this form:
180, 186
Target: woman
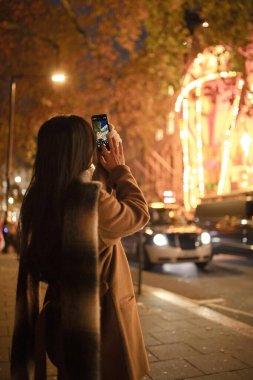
67, 217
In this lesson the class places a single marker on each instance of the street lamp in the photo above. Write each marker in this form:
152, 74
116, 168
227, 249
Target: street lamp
58, 78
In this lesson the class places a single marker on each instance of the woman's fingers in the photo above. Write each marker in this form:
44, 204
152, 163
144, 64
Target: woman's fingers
112, 144
121, 152
114, 157
105, 152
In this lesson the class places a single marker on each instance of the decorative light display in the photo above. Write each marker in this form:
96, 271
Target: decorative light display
186, 161
199, 142
192, 194
199, 82
245, 143
228, 140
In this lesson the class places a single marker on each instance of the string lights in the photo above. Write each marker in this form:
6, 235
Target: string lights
192, 85
193, 193
228, 140
201, 184
187, 168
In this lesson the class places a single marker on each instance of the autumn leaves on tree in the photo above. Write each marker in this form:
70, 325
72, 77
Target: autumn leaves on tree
120, 57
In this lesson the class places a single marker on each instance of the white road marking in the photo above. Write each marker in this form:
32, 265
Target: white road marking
209, 301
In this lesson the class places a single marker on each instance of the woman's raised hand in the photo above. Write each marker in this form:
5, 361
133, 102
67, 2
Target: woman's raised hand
115, 157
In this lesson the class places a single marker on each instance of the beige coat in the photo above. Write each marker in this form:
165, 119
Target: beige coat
123, 351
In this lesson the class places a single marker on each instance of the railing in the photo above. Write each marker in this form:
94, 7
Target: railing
155, 175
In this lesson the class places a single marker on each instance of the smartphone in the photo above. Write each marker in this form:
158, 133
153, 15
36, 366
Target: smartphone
101, 128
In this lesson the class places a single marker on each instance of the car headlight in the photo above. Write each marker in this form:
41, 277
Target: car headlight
160, 239
205, 238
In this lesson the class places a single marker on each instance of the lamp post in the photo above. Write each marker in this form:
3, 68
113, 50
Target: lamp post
57, 77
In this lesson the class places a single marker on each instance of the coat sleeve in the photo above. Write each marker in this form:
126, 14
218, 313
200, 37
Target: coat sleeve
125, 212
26, 313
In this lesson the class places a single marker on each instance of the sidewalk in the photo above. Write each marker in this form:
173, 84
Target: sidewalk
183, 340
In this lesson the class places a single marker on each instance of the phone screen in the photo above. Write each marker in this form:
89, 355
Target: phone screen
101, 128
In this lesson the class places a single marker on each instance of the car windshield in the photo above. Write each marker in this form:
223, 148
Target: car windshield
168, 216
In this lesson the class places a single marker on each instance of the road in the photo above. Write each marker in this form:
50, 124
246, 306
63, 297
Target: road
225, 286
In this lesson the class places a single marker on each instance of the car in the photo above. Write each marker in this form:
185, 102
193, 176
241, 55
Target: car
229, 222
169, 238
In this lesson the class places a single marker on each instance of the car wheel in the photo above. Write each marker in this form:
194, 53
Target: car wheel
202, 265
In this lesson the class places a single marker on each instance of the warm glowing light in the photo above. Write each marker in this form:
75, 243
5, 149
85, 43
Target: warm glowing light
157, 205
169, 200
224, 176
58, 77
186, 161
205, 24
17, 179
244, 184
198, 106
160, 240
167, 193
171, 90
245, 143
193, 174
11, 200
192, 85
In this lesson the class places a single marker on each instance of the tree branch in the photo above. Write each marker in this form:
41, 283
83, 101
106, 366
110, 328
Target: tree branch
68, 10
22, 30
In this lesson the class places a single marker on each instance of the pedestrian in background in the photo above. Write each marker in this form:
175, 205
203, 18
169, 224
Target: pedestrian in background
68, 220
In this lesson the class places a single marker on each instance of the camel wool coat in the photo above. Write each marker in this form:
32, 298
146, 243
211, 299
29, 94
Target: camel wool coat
123, 354
119, 340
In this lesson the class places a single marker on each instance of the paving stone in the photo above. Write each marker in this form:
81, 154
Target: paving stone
169, 316
221, 344
210, 331
148, 327
214, 363
245, 374
152, 358
172, 351
182, 325
173, 369
150, 340
244, 356
174, 336
204, 323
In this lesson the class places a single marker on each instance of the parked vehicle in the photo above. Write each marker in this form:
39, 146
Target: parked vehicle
170, 238
230, 223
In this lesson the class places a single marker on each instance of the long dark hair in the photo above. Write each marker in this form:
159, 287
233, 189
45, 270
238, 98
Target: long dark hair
65, 148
